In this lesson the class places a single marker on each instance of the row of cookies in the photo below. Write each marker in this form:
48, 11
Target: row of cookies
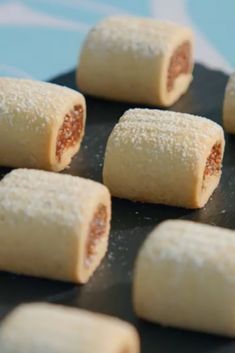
159, 153
183, 277
57, 227
151, 156
60, 225
177, 160
45, 123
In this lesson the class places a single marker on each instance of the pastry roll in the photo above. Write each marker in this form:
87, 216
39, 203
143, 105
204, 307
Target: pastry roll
185, 277
41, 124
164, 157
48, 328
52, 226
139, 60
229, 106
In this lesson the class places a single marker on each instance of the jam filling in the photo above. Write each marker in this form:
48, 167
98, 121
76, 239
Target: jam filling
213, 163
71, 130
180, 63
96, 232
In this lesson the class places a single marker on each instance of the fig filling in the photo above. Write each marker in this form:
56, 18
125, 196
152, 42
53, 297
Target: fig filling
96, 232
213, 163
180, 63
70, 131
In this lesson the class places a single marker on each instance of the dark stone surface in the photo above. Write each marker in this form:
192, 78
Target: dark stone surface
109, 290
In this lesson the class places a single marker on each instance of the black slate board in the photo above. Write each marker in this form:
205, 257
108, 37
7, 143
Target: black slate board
109, 290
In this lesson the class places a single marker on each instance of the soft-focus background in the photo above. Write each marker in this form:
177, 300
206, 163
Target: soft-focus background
41, 39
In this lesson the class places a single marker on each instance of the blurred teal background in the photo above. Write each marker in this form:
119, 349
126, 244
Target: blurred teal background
42, 39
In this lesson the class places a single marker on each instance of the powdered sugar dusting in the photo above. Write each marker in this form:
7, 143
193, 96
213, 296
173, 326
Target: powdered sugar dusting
187, 244
165, 132
47, 196
139, 35
38, 102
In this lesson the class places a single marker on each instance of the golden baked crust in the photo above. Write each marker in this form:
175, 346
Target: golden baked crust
130, 59
47, 328
32, 114
47, 225
185, 277
164, 157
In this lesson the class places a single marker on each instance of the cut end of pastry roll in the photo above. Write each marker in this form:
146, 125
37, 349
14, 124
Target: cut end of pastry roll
180, 64
61, 225
229, 106
164, 157
139, 60
70, 131
213, 162
97, 230
185, 277
212, 171
43, 122
47, 328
